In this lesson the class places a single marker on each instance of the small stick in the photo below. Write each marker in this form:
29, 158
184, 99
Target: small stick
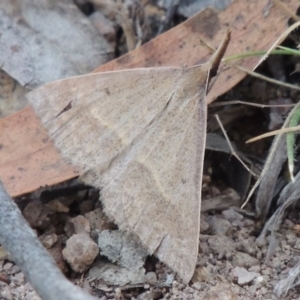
274, 132
231, 148
274, 81
235, 102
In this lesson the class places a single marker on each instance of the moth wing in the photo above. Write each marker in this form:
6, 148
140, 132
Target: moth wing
140, 136
154, 188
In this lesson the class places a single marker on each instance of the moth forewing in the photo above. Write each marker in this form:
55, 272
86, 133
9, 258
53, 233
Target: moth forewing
139, 135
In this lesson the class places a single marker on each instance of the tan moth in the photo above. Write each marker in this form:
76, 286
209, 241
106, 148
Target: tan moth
138, 135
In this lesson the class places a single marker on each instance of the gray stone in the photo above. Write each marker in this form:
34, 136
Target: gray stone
98, 220
244, 260
113, 274
243, 276
56, 206
122, 248
48, 240
232, 215
201, 275
151, 278
37, 215
220, 226
248, 246
80, 252
220, 244
81, 224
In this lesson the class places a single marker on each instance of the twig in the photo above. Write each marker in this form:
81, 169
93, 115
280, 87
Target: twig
231, 148
274, 132
260, 76
235, 102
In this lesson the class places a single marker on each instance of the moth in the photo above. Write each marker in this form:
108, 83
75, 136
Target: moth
138, 135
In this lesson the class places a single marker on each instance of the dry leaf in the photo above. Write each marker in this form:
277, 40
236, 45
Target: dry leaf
139, 135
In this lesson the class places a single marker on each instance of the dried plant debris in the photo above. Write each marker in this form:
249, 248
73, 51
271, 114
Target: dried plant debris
188, 8
270, 187
289, 191
130, 15
270, 172
288, 198
54, 40
268, 183
288, 283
